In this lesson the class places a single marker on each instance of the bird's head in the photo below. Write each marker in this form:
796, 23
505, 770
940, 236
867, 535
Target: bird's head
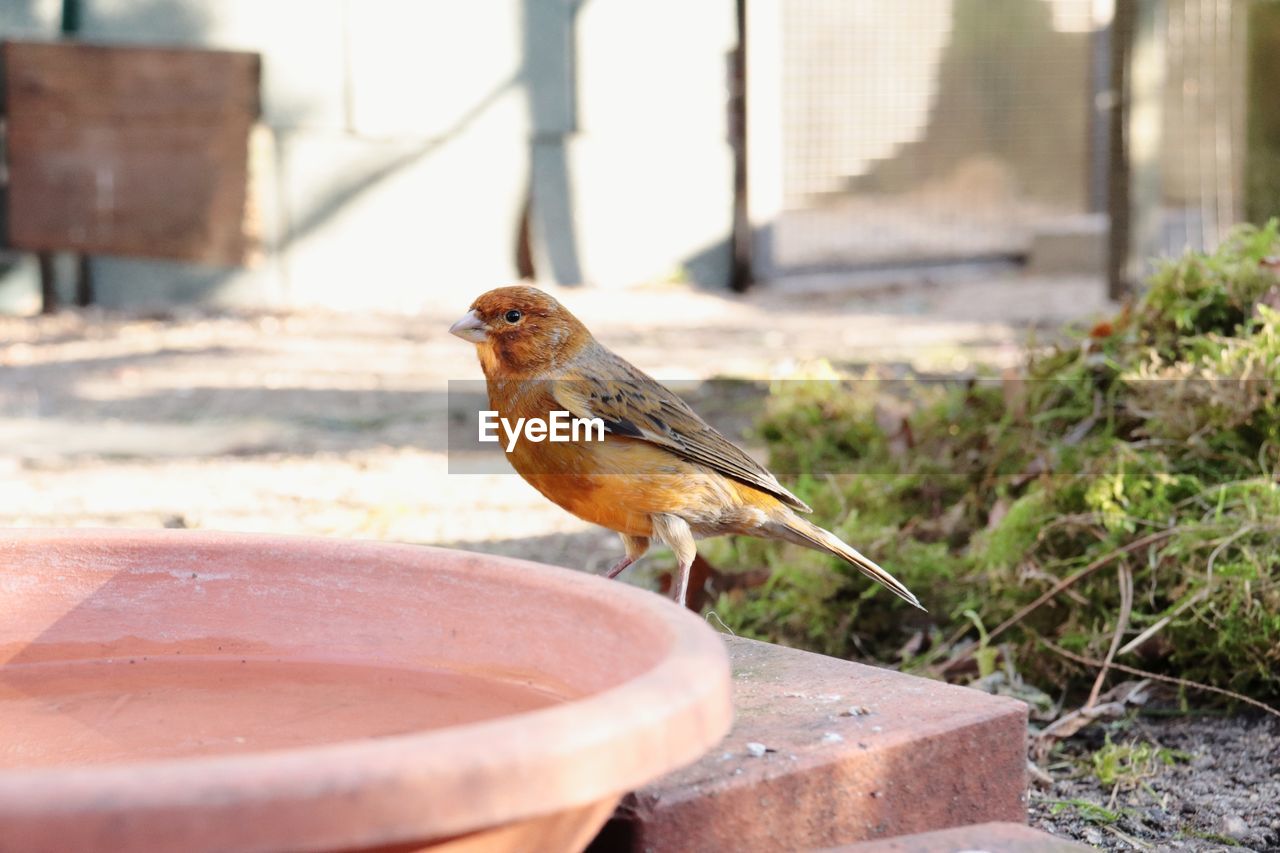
520, 329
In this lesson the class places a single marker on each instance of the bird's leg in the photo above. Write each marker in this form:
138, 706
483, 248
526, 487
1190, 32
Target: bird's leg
619, 566
682, 582
674, 530
636, 546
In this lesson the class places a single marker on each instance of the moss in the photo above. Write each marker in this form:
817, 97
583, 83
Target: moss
981, 495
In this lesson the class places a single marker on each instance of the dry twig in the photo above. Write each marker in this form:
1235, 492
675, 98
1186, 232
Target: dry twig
1169, 679
1099, 563
1125, 578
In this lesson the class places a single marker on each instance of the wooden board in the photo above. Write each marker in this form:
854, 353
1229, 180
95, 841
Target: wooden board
130, 151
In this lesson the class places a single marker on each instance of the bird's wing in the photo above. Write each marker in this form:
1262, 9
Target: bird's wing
634, 405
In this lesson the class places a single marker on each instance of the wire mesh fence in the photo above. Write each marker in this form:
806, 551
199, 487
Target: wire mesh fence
1203, 123
924, 130
948, 130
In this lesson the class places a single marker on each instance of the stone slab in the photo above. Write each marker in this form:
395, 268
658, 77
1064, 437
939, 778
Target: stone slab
986, 837
826, 752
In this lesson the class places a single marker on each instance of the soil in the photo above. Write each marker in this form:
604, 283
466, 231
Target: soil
1217, 787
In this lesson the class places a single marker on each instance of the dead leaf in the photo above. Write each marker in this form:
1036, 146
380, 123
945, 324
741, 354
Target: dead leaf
1111, 705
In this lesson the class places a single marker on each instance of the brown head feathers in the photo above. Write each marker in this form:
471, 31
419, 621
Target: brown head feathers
524, 330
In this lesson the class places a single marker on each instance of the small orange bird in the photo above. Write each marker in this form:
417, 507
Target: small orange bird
659, 471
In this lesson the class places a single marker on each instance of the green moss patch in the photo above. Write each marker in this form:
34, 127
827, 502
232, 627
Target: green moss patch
1142, 454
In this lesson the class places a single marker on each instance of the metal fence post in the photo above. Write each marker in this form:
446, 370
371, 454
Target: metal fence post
1138, 76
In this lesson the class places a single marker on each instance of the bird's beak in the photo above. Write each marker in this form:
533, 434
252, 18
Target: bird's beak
470, 328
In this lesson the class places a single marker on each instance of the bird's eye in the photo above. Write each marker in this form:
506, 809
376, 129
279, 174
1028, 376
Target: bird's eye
513, 316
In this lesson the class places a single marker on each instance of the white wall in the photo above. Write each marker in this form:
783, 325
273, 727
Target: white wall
402, 136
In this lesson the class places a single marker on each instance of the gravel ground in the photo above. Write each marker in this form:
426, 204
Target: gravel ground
1215, 786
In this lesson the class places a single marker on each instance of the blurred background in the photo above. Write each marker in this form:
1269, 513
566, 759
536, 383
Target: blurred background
234, 233
381, 155
236, 230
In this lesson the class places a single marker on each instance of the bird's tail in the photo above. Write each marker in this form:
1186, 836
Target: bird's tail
802, 532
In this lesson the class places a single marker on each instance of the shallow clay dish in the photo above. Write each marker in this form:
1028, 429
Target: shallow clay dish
189, 691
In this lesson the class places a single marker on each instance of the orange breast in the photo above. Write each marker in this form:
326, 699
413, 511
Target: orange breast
617, 483
620, 482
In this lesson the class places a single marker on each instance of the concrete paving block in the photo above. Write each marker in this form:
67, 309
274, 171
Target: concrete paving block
985, 837
401, 225
430, 69
302, 43
826, 752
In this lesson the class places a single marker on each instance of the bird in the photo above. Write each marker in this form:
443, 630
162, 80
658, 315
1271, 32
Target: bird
656, 471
